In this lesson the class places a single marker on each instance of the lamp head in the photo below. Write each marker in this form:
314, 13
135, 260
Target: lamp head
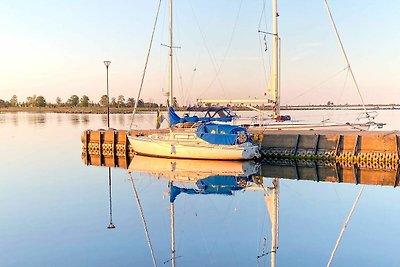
107, 63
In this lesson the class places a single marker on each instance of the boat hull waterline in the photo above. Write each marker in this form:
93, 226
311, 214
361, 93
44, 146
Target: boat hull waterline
189, 146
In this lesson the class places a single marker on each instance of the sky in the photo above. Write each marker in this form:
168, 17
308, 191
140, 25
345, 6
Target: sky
57, 48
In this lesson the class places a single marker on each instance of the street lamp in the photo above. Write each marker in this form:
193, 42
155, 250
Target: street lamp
107, 63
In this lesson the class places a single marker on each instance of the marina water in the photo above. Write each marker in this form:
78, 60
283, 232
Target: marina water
55, 210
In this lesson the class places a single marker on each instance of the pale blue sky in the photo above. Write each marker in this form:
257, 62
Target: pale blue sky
56, 48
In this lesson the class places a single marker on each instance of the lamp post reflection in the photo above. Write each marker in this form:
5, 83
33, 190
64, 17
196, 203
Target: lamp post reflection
110, 225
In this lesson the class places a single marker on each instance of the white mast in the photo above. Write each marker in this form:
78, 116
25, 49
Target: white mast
275, 62
170, 54
171, 104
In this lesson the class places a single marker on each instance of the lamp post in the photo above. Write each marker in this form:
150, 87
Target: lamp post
107, 63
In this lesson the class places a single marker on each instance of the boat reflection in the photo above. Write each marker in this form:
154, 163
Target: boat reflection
208, 178
192, 171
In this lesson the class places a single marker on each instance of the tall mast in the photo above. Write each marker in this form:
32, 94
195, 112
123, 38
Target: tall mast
275, 62
170, 54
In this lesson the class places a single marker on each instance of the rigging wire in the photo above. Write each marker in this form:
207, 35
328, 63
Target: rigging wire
345, 225
218, 71
263, 238
176, 64
143, 219
345, 57
340, 96
145, 65
316, 86
212, 58
263, 16
181, 83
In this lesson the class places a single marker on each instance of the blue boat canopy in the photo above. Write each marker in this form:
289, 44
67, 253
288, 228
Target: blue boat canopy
216, 185
175, 119
222, 134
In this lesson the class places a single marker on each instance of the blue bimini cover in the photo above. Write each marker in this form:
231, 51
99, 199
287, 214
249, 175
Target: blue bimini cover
175, 119
219, 133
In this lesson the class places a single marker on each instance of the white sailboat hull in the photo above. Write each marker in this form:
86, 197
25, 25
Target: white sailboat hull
189, 146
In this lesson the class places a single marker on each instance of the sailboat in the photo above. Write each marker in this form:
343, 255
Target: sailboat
277, 121
209, 141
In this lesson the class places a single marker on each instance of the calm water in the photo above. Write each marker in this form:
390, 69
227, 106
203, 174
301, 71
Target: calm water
55, 210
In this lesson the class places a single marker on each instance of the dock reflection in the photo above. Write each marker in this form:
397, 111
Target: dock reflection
286, 169
331, 172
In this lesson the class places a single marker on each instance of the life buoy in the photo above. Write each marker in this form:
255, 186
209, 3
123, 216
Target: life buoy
260, 137
242, 183
241, 138
255, 137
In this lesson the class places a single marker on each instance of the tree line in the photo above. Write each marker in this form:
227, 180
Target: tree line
76, 101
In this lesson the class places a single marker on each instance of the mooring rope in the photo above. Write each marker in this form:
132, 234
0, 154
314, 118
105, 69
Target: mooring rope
145, 65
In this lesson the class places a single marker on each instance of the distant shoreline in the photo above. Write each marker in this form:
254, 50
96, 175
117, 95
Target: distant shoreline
75, 110
125, 110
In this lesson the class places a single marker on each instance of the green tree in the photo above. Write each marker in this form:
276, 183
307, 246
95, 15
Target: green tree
140, 103
113, 102
103, 101
14, 101
73, 101
121, 101
84, 101
40, 101
58, 101
130, 102
31, 101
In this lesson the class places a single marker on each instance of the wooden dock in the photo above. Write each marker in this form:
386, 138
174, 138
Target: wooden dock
366, 149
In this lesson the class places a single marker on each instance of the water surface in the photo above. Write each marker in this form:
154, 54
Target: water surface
55, 210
